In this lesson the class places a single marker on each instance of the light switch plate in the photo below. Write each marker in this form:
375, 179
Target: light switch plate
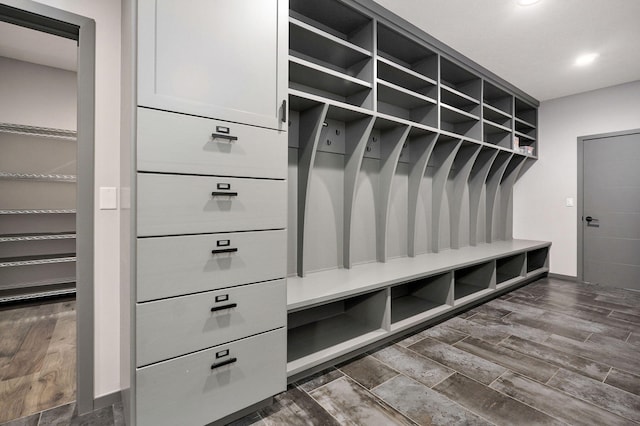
569, 202
108, 198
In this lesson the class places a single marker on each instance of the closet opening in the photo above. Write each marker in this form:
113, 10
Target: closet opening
46, 209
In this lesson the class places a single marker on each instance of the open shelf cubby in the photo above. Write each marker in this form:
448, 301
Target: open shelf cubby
352, 320
396, 295
402, 103
459, 122
473, 281
496, 116
417, 300
537, 259
336, 18
410, 56
459, 81
497, 100
526, 112
325, 49
525, 129
316, 79
406, 78
497, 134
509, 268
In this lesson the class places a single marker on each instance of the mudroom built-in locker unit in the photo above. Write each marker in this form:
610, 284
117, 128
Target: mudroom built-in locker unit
402, 162
356, 188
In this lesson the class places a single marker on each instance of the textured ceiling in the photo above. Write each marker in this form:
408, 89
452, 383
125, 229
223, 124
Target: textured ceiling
534, 47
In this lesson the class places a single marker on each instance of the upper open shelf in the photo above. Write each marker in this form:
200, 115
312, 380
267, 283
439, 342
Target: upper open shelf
319, 46
402, 50
458, 79
335, 18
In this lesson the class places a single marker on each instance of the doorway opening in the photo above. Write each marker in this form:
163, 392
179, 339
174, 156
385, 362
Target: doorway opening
609, 209
46, 208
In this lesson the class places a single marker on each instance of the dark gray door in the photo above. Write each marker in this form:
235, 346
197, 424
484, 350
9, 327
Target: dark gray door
611, 210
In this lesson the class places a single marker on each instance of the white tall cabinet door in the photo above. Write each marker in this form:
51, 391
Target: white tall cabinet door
215, 58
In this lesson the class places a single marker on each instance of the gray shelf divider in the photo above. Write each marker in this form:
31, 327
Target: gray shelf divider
391, 143
443, 157
421, 146
456, 188
477, 187
493, 185
311, 122
357, 136
505, 218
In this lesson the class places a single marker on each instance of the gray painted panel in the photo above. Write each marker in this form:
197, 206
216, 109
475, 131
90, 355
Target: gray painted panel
233, 91
178, 143
173, 205
612, 250
172, 266
397, 237
604, 273
611, 195
324, 228
172, 327
364, 213
357, 136
187, 391
292, 211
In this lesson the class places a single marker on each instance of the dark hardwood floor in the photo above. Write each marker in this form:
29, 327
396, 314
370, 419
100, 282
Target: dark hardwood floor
553, 352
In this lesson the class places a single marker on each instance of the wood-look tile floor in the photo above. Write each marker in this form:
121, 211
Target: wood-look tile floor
37, 357
553, 352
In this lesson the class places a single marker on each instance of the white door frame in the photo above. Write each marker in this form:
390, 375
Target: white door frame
48, 19
580, 217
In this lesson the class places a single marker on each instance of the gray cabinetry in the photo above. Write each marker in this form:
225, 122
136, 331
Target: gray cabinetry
220, 59
403, 156
209, 195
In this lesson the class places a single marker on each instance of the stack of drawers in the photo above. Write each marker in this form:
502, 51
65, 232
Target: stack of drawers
211, 260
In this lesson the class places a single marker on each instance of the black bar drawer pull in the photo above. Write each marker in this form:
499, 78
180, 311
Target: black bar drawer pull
225, 250
222, 194
223, 363
230, 138
284, 111
223, 307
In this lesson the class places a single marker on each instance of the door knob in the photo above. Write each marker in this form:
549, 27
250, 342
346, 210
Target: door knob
588, 218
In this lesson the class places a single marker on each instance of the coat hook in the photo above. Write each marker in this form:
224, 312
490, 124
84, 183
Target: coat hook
328, 142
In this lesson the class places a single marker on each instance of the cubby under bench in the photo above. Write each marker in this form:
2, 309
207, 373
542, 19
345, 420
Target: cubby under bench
337, 313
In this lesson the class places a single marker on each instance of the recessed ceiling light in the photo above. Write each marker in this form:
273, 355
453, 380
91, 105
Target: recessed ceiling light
586, 59
527, 2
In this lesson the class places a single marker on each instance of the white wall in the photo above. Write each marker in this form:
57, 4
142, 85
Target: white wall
539, 198
106, 13
36, 95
